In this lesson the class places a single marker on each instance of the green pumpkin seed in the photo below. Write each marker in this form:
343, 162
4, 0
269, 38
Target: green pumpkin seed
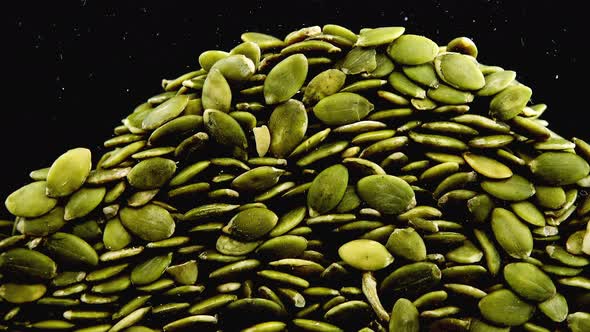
83, 201
230, 246
459, 71
216, 91
448, 95
423, 74
514, 188
224, 129
412, 278
412, 50
365, 255
487, 166
510, 102
151, 173
407, 243
342, 108
512, 235
555, 307
359, 60
386, 193
288, 221
149, 222
27, 263
293, 70
559, 168
503, 307
327, 189
71, 249
378, 36
68, 172
44, 225
164, 112
251, 224
285, 246
150, 270
529, 213
529, 281
30, 201
236, 67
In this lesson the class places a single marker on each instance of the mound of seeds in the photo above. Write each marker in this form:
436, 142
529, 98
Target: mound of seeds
327, 181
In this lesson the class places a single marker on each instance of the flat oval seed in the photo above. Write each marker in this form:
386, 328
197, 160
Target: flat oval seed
216, 92
386, 193
26, 263
365, 255
287, 125
151, 173
487, 166
404, 317
513, 236
529, 213
83, 201
379, 36
449, 95
149, 222
412, 50
230, 246
236, 67
258, 179
165, 112
68, 172
71, 249
496, 82
251, 224
405, 86
285, 246
285, 79
353, 314
224, 129
459, 71
503, 307
327, 189
30, 200
315, 325
510, 102
407, 243
21, 293
514, 188
150, 270
559, 168
529, 281
556, 308
359, 60
412, 278
342, 108
322, 85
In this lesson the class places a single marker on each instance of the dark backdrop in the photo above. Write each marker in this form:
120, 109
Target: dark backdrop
73, 69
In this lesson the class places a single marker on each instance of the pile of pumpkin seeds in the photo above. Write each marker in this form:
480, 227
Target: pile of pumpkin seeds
326, 181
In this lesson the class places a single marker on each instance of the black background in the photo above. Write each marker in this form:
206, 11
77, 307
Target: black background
73, 69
